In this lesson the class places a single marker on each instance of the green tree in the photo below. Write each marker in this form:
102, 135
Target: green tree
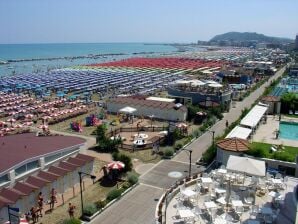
103, 143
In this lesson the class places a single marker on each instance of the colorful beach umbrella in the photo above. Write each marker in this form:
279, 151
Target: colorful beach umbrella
116, 165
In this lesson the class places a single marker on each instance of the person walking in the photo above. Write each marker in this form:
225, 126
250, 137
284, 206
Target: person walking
227, 123
40, 203
71, 210
53, 198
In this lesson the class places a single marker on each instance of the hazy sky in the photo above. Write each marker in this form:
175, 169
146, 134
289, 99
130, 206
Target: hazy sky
58, 21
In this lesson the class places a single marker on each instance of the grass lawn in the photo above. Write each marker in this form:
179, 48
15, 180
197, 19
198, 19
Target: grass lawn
291, 115
287, 153
144, 156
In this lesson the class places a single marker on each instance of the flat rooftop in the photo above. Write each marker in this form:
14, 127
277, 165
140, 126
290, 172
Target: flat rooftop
14, 149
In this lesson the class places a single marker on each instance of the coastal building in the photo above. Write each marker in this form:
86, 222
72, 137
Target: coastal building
230, 146
205, 93
273, 103
147, 107
38, 164
24, 154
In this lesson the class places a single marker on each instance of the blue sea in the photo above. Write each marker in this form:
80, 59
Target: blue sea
27, 56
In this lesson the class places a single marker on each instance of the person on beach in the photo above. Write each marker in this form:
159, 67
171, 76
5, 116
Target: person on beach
53, 198
40, 203
71, 210
34, 215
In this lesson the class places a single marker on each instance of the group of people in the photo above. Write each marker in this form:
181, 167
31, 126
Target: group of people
36, 211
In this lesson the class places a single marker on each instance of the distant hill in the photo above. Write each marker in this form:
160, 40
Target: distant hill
248, 36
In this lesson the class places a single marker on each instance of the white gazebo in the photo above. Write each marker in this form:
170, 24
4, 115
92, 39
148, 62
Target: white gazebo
246, 165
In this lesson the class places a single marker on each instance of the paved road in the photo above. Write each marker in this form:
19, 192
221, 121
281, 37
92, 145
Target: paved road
138, 206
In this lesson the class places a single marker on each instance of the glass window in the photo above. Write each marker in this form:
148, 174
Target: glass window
20, 170
4, 179
32, 165
52, 157
27, 167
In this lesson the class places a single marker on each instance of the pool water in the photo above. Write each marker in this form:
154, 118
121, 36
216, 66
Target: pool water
288, 130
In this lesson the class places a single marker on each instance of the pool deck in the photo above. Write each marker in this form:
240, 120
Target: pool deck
266, 133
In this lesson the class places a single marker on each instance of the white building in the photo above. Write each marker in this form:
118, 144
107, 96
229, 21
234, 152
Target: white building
145, 107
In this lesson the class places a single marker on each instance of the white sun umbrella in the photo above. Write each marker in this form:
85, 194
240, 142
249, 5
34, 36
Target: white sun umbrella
246, 165
128, 110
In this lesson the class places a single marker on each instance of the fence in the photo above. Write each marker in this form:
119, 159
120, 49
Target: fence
135, 129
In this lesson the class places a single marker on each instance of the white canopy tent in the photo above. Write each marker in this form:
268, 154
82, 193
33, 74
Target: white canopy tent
128, 110
239, 132
246, 165
254, 116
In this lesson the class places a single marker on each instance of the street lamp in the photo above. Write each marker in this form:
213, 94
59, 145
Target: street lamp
213, 137
81, 175
190, 152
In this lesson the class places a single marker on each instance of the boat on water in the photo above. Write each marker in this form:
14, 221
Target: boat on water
10, 67
3, 62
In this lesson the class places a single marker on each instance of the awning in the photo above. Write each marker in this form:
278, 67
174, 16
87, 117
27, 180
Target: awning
254, 116
246, 165
239, 132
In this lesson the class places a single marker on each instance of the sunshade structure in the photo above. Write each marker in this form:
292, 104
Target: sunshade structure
246, 165
128, 110
239, 132
116, 165
254, 116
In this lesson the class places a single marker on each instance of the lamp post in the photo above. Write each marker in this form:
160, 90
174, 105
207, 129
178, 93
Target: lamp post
213, 136
189, 169
81, 174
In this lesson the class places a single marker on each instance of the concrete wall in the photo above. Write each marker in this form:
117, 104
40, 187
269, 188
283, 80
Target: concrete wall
222, 157
142, 110
198, 97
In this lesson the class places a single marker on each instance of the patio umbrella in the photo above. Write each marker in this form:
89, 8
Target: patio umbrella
246, 165
29, 116
43, 126
11, 120
19, 126
22, 221
116, 165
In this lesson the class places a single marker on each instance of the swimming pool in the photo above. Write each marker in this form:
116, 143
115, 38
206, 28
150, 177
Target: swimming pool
288, 130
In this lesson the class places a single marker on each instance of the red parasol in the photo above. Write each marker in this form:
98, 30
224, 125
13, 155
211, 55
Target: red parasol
116, 165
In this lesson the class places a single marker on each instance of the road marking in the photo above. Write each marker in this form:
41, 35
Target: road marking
155, 165
152, 186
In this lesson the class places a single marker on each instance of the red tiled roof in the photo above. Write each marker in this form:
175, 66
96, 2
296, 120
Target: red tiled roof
271, 98
58, 170
37, 181
25, 188
17, 148
47, 176
85, 157
76, 161
233, 144
69, 166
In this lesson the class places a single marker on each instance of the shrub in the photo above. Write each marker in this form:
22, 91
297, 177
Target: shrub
123, 158
178, 146
209, 155
90, 209
132, 178
169, 152
72, 221
113, 194
100, 204
126, 185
